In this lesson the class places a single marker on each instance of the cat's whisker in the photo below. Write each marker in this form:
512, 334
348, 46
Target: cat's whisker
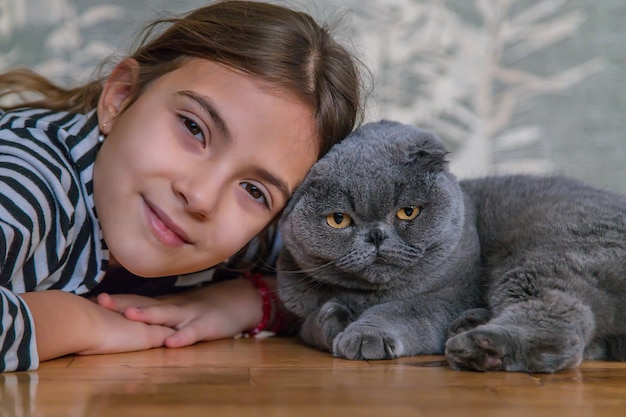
307, 271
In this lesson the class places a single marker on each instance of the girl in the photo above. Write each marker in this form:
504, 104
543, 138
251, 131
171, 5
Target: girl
184, 153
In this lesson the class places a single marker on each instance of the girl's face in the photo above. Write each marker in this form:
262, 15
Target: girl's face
199, 164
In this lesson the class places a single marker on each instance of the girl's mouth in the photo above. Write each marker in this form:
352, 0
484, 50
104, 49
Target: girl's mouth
164, 228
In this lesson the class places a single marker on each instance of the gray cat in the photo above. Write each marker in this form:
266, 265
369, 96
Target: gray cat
386, 254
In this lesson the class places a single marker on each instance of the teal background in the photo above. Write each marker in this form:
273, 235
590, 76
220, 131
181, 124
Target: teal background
534, 86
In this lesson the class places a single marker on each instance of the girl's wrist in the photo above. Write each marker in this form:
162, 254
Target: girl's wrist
271, 321
64, 322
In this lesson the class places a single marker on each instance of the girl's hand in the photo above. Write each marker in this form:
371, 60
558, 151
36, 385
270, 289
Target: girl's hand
67, 323
119, 334
215, 311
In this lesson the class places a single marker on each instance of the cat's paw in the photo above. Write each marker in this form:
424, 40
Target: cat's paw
361, 342
468, 320
333, 318
491, 349
476, 350
321, 328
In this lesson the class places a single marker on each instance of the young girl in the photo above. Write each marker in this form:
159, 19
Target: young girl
185, 152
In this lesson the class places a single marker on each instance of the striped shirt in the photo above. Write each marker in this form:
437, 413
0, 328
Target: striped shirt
50, 237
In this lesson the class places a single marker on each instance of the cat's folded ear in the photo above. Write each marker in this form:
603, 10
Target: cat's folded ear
425, 149
428, 152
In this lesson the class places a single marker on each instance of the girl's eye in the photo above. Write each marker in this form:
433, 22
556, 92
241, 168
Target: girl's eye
194, 128
338, 220
256, 193
408, 213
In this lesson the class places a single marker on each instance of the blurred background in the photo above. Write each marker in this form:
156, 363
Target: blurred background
535, 86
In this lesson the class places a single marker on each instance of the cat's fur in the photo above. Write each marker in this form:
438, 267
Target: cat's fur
522, 273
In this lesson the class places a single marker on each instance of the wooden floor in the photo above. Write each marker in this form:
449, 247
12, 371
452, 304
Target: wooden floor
279, 377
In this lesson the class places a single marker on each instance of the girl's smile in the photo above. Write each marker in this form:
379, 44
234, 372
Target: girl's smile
164, 228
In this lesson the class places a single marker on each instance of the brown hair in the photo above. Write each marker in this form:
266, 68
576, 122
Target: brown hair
281, 46
286, 48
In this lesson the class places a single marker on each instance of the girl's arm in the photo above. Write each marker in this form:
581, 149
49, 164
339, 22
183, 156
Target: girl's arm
67, 323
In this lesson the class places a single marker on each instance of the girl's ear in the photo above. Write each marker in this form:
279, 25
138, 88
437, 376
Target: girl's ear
117, 92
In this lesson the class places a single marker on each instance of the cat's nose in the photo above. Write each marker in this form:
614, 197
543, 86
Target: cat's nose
376, 236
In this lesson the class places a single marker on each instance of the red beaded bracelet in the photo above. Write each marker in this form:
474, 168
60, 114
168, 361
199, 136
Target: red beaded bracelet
269, 306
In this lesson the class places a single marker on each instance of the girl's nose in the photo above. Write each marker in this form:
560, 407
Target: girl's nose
199, 195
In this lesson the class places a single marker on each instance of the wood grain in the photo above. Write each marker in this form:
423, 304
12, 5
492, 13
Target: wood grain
281, 377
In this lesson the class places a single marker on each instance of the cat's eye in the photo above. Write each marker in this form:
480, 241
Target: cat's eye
338, 220
408, 213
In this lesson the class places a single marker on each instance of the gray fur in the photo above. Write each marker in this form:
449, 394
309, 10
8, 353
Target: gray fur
521, 273
354, 303
554, 256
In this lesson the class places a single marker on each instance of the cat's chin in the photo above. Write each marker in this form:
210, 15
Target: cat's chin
379, 275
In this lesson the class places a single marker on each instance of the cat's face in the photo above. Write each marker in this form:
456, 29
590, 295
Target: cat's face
377, 207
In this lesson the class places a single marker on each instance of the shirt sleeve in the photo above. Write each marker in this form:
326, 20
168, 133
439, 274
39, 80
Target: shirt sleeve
25, 222
18, 346
48, 235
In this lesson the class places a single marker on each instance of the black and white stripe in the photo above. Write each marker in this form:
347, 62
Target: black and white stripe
49, 235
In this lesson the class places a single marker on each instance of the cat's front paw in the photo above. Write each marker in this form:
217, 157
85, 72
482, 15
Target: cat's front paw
468, 320
492, 348
321, 328
333, 318
361, 342
476, 350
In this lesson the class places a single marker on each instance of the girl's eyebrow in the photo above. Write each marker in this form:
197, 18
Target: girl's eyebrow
275, 181
207, 106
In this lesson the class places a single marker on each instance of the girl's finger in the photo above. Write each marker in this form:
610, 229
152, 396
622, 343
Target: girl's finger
158, 335
108, 302
202, 328
120, 302
188, 335
165, 315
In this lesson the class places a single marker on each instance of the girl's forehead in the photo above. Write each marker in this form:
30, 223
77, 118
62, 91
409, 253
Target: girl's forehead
206, 77
193, 70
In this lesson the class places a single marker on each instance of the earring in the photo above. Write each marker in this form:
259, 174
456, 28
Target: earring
102, 137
